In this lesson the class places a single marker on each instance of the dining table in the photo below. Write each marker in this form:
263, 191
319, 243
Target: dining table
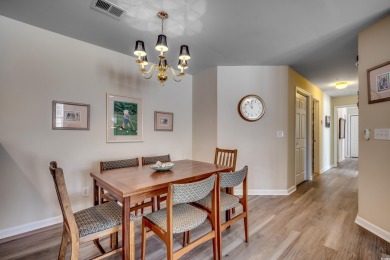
135, 184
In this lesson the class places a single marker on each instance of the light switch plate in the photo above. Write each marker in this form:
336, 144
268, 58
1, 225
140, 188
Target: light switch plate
382, 133
279, 133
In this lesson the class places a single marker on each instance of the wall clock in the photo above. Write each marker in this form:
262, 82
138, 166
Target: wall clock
251, 108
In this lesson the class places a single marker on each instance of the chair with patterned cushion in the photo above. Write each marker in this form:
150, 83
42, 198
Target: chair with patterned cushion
152, 160
226, 157
88, 224
118, 164
180, 217
228, 201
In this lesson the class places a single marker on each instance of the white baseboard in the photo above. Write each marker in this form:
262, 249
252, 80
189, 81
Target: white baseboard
373, 228
9, 232
267, 192
326, 168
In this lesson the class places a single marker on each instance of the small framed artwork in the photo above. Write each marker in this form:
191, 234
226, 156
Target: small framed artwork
163, 121
327, 121
124, 119
378, 81
70, 116
341, 128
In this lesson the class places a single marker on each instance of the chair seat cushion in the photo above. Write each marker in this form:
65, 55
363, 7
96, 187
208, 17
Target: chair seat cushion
227, 201
185, 217
99, 218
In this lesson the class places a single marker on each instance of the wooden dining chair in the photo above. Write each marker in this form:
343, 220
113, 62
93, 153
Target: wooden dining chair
88, 224
118, 164
179, 216
228, 201
152, 160
227, 157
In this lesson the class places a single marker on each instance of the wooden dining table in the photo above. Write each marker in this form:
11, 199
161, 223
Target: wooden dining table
135, 184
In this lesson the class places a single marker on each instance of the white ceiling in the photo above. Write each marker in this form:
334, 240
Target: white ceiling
317, 38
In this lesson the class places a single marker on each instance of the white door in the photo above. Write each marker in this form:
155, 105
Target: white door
300, 138
354, 135
316, 137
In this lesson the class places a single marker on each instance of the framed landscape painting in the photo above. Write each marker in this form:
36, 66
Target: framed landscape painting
124, 119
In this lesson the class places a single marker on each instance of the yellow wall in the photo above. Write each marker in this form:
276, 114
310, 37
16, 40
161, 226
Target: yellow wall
374, 163
296, 80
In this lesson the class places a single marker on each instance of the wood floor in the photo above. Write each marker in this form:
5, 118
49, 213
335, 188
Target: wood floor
315, 222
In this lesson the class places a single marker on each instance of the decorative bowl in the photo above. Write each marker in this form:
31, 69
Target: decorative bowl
162, 167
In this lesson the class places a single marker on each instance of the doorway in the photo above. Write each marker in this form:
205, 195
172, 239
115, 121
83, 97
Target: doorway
303, 136
316, 136
353, 139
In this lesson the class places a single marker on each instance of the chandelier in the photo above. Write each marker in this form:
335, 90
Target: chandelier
162, 67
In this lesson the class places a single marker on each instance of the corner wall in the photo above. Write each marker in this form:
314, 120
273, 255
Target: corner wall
374, 163
38, 66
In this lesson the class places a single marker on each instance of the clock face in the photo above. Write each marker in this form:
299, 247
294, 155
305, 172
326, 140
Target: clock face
251, 108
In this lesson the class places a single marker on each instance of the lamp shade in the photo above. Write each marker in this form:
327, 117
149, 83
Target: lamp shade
182, 64
341, 85
144, 60
139, 49
161, 44
184, 53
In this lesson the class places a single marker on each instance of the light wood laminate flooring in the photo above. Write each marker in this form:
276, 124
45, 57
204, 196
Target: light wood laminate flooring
317, 221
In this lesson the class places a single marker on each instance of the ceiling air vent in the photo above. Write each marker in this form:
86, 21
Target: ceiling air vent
108, 8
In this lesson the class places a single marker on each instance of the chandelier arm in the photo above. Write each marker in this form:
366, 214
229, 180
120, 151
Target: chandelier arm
175, 77
150, 71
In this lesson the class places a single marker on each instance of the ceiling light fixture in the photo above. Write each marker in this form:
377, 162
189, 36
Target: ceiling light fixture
341, 85
162, 67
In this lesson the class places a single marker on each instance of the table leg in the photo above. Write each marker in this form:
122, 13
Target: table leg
95, 193
127, 231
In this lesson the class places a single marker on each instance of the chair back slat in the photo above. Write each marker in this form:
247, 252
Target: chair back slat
154, 159
191, 192
232, 179
117, 164
226, 157
63, 198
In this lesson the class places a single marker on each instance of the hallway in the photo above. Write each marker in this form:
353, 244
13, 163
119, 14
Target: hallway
315, 222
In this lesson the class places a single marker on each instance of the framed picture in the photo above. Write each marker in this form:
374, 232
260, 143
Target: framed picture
341, 128
378, 79
163, 121
124, 119
70, 116
327, 121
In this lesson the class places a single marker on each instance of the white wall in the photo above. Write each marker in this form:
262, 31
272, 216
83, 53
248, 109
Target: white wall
204, 128
257, 144
38, 66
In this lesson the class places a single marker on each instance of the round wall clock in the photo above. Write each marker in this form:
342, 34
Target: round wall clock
251, 108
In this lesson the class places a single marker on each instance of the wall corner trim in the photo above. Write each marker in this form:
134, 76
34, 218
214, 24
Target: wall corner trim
380, 232
326, 168
10, 232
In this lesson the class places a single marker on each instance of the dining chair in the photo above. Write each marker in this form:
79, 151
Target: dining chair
228, 201
88, 224
118, 164
152, 160
227, 157
180, 217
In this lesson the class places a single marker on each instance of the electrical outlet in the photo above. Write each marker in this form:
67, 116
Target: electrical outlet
279, 133
85, 191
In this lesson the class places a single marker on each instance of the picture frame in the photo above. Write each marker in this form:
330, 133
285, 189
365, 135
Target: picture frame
341, 128
378, 82
70, 115
163, 121
327, 121
124, 119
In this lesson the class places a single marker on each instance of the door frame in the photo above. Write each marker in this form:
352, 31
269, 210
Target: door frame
317, 144
335, 133
349, 135
309, 133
